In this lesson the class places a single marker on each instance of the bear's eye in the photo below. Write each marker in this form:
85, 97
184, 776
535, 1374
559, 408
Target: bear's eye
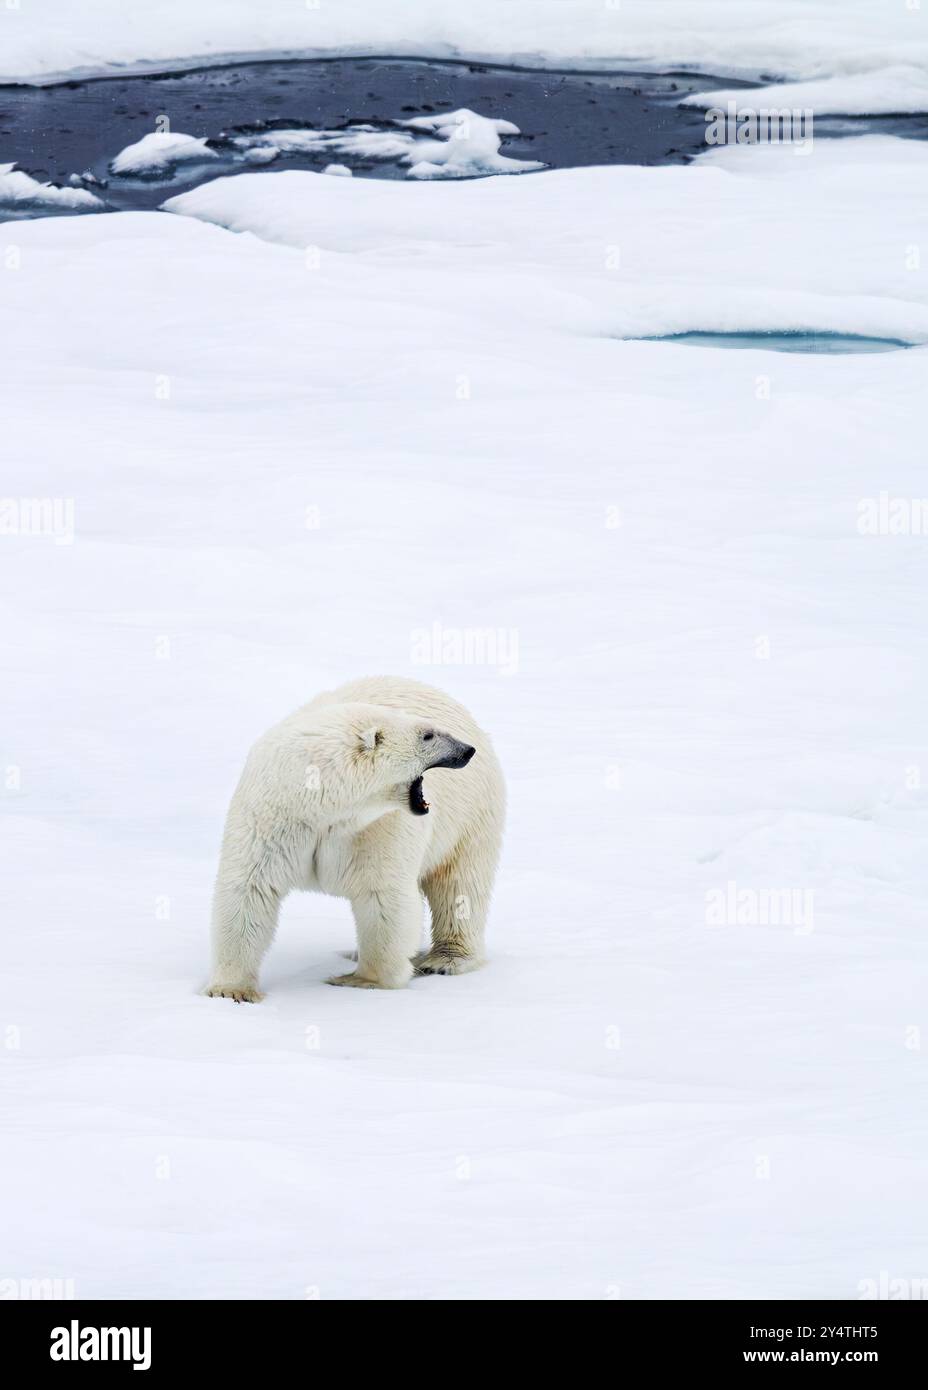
426, 737
378, 738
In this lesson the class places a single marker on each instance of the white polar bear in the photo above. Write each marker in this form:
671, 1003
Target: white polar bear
331, 800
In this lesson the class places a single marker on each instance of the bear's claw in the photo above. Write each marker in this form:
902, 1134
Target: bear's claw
241, 994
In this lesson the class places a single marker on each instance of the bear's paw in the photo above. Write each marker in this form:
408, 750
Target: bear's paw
241, 994
440, 961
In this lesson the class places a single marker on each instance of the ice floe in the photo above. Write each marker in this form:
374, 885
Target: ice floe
23, 196
159, 154
465, 145
359, 141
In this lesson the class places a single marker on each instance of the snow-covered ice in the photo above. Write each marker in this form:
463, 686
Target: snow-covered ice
889, 91
744, 240
23, 196
310, 419
160, 153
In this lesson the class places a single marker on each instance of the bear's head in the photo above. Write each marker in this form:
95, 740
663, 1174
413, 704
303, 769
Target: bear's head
370, 759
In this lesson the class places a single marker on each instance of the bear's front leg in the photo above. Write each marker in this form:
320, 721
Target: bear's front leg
389, 926
246, 905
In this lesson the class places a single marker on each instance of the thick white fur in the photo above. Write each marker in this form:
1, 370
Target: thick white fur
323, 805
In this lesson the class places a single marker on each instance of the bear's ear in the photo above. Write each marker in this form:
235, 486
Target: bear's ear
371, 739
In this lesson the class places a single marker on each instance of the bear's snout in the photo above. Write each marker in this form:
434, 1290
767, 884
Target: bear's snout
450, 752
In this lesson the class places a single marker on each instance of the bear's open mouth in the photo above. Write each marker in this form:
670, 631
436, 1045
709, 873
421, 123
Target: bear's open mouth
417, 802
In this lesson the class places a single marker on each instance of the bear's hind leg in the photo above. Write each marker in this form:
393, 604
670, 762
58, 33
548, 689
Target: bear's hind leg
458, 895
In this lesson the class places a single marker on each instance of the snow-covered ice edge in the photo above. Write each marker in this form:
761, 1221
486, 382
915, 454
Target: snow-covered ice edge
755, 39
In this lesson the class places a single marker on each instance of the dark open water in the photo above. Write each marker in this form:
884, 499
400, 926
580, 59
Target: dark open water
567, 119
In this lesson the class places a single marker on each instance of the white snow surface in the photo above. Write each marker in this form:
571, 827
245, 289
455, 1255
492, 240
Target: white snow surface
793, 38
370, 408
23, 195
160, 153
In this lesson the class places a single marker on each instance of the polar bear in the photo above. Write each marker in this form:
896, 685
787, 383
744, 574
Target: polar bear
332, 800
